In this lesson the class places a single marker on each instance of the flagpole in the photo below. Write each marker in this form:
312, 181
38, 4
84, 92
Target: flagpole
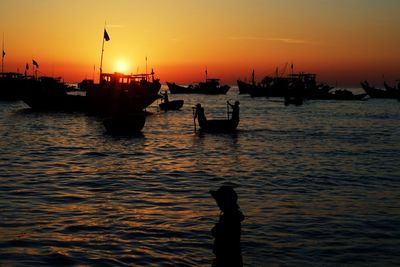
102, 52
2, 56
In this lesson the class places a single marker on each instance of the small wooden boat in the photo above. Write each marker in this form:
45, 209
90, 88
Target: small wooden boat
125, 125
171, 105
217, 125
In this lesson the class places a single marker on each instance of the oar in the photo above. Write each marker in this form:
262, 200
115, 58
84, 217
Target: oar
227, 108
194, 119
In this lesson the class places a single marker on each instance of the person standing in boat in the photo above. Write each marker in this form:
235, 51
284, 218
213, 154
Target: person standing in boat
165, 97
235, 110
199, 114
227, 230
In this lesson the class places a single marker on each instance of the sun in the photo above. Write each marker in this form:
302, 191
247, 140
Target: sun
121, 66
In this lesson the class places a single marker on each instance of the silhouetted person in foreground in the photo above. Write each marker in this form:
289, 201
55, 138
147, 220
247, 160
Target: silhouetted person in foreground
227, 230
235, 110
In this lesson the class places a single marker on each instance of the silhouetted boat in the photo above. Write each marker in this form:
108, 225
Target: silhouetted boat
343, 94
374, 92
215, 125
50, 94
245, 87
268, 87
166, 104
393, 90
85, 84
209, 87
279, 85
117, 91
125, 124
10, 83
171, 105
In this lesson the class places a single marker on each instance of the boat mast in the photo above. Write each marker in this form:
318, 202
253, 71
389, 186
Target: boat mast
206, 73
102, 52
2, 56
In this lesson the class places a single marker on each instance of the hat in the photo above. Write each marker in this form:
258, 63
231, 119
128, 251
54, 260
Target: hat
225, 194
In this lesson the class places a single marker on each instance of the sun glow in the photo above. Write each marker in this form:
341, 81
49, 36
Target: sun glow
121, 66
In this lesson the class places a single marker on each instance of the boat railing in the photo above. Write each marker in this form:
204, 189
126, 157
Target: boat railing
120, 78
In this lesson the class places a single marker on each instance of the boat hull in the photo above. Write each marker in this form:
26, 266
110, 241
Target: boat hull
380, 93
125, 125
171, 105
219, 126
203, 88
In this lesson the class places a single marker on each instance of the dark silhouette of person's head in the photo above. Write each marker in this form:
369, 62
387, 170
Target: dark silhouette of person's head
226, 198
227, 230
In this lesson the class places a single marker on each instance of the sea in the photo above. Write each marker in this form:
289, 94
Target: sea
319, 185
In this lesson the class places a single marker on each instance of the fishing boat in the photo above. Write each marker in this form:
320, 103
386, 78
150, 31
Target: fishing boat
117, 94
10, 82
374, 92
209, 87
117, 91
50, 94
125, 124
343, 94
393, 90
217, 125
167, 104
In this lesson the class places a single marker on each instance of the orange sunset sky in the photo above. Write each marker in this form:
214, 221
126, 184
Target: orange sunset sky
343, 41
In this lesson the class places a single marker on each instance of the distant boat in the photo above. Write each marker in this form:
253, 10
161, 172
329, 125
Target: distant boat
209, 87
304, 83
374, 92
245, 87
10, 82
343, 94
125, 124
215, 125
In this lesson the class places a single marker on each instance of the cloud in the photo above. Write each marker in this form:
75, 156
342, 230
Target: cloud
289, 40
277, 39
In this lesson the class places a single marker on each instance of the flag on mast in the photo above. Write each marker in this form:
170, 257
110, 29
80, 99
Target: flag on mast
106, 37
35, 63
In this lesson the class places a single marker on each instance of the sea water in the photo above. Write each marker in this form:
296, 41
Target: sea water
319, 185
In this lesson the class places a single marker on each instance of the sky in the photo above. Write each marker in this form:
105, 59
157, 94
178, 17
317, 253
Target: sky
342, 41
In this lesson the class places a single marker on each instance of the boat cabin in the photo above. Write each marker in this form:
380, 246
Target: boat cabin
119, 78
10, 75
